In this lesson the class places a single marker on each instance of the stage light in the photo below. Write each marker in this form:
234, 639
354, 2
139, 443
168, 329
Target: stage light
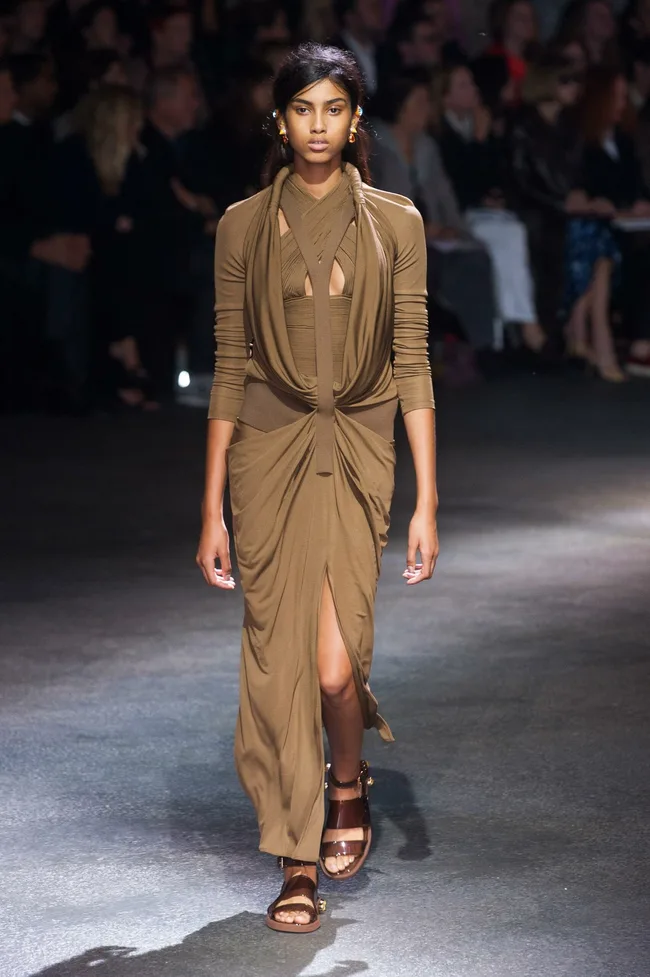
183, 379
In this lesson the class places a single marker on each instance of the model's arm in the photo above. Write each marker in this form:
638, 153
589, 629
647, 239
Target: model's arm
225, 400
415, 391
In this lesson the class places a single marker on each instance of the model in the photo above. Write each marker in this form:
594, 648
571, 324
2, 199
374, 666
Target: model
321, 328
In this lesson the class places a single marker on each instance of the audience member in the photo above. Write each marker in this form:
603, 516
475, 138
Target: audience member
639, 73
591, 24
609, 184
513, 25
545, 156
406, 160
170, 44
30, 22
97, 191
472, 157
177, 213
361, 32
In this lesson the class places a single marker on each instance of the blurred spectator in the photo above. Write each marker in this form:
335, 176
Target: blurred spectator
635, 23
499, 93
639, 73
28, 249
96, 68
361, 32
406, 160
272, 53
97, 191
610, 183
30, 21
513, 25
241, 127
176, 237
36, 87
437, 13
170, 44
98, 27
473, 158
590, 23
545, 155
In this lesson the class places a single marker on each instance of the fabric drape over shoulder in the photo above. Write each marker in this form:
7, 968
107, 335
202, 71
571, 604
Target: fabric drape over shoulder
311, 463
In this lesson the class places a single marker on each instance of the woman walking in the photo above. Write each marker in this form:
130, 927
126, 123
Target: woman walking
320, 280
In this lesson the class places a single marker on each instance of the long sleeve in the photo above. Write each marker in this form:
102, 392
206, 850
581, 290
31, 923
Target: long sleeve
231, 348
411, 367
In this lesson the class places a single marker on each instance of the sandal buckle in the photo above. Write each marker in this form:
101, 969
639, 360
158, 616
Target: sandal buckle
321, 905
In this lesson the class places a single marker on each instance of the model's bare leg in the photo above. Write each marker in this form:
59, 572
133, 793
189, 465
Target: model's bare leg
342, 717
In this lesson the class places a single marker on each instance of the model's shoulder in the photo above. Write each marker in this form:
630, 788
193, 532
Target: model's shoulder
243, 211
397, 208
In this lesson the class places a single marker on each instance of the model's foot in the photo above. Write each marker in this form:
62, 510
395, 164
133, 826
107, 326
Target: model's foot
294, 914
340, 862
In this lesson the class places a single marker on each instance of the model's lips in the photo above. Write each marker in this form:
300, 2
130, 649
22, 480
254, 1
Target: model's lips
318, 145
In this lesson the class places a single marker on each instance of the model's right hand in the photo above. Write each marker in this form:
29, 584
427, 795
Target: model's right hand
215, 545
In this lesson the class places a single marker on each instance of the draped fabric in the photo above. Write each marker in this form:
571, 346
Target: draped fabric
311, 461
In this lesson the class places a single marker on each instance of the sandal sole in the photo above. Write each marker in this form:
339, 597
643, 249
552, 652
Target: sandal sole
279, 927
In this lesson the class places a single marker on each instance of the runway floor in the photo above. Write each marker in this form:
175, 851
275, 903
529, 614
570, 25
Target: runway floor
512, 812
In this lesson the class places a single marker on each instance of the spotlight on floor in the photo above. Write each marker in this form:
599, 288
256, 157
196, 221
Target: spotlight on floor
183, 379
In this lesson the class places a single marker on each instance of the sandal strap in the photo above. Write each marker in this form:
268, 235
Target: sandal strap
353, 813
358, 781
297, 886
330, 849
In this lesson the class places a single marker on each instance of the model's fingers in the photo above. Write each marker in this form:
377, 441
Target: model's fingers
223, 581
411, 553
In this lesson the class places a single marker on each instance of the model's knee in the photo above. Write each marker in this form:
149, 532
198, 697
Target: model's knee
337, 683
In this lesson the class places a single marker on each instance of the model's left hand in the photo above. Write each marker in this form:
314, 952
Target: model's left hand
423, 536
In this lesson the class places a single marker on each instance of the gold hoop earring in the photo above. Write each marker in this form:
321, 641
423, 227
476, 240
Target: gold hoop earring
355, 122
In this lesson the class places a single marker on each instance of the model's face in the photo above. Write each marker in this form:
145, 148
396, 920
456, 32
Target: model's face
318, 121
462, 96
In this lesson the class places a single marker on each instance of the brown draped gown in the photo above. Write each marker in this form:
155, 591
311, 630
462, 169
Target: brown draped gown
309, 383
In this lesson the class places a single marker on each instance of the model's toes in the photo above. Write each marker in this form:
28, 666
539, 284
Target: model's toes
292, 917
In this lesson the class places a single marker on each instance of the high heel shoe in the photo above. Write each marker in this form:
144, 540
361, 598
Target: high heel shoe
610, 374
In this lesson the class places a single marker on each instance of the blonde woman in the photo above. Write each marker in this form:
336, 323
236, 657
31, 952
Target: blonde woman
97, 189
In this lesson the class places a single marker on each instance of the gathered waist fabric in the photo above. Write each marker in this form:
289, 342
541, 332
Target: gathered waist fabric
267, 409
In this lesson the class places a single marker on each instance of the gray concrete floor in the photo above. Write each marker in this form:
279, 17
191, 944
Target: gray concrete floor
512, 813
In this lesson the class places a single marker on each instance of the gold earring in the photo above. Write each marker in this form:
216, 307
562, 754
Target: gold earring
282, 131
355, 122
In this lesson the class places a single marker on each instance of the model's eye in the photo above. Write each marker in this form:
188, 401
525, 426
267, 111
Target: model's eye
335, 110
302, 109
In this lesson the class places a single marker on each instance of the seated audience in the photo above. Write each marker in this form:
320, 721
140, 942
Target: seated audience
97, 191
473, 158
361, 32
406, 160
591, 24
609, 184
544, 153
514, 30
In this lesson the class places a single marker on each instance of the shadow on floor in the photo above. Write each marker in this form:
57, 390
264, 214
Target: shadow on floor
240, 946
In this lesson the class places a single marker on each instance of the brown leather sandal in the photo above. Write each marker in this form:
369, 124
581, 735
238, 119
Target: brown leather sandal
353, 813
298, 885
